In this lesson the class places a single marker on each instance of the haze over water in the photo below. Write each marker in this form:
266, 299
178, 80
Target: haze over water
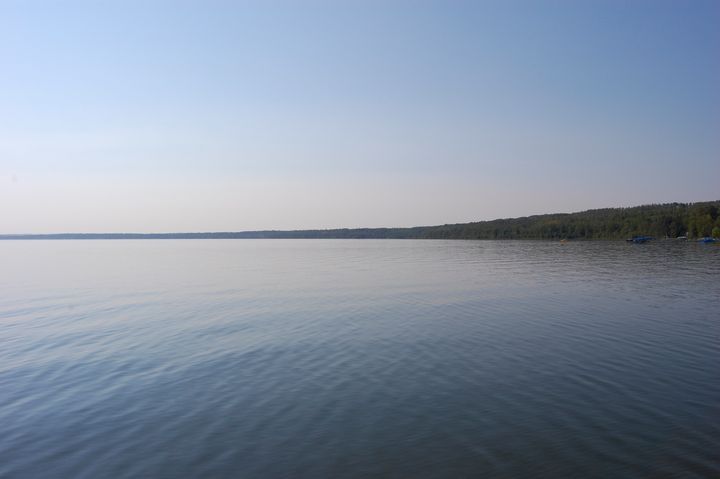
357, 358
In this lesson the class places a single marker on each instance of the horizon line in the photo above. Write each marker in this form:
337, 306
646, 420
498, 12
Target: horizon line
358, 228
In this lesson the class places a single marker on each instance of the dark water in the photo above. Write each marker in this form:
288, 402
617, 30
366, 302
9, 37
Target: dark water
369, 358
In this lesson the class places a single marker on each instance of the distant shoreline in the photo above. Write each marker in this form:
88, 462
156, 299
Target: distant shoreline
668, 220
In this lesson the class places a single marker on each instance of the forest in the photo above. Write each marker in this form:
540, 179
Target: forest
670, 220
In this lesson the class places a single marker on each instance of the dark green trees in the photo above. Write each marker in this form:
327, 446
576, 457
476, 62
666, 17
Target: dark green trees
661, 221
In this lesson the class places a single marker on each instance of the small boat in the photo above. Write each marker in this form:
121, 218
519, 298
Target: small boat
639, 239
707, 239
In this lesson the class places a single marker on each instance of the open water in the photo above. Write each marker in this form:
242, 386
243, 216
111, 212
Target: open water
358, 358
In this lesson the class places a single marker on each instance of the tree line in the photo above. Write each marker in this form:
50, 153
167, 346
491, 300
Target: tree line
670, 220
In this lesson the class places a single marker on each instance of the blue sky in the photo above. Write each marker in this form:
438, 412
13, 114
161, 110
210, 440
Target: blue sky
198, 116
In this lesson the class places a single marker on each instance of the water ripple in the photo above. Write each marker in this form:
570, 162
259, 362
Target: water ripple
365, 358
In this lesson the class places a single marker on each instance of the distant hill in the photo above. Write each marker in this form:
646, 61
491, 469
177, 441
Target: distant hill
660, 220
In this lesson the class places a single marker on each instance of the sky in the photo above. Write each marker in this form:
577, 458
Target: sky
169, 116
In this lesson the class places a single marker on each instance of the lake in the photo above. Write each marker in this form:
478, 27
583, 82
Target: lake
359, 358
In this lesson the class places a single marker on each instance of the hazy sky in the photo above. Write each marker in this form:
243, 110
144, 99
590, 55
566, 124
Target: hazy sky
222, 116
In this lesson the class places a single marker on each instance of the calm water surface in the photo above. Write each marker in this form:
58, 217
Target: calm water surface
358, 358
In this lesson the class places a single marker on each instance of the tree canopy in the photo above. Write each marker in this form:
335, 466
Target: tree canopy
659, 220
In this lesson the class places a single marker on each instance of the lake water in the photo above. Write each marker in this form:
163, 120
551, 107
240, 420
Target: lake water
358, 358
